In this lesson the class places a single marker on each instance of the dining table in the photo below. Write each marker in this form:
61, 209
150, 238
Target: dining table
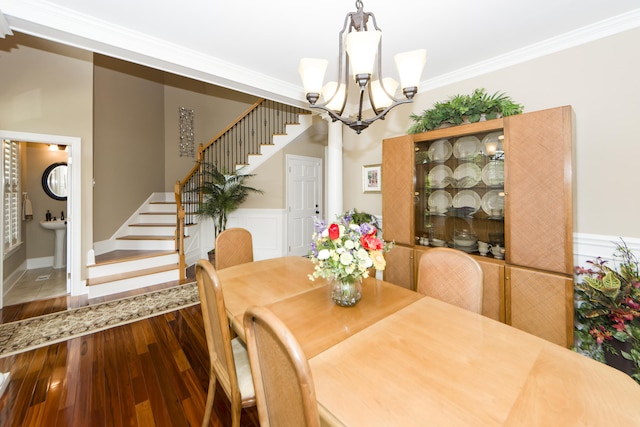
399, 358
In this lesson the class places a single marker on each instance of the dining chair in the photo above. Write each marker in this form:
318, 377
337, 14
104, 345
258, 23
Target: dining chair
285, 392
228, 358
451, 276
233, 246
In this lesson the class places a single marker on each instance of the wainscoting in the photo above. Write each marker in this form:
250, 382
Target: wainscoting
590, 246
268, 228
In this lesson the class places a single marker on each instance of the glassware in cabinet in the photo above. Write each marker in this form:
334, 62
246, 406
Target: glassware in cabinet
459, 192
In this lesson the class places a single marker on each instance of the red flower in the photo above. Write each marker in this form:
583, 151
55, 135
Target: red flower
619, 326
334, 231
634, 305
371, 243
600, 334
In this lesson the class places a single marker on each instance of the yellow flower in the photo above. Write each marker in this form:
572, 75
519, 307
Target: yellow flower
379, 262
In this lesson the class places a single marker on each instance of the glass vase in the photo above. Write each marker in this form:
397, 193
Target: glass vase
346, 293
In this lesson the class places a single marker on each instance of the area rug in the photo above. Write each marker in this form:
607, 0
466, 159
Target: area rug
35, 332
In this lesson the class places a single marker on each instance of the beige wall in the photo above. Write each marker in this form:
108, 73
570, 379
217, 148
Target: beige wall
128, 141
214, 108
48, 88
270, 177
600, 81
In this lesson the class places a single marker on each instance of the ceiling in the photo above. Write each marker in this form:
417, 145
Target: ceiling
255, 46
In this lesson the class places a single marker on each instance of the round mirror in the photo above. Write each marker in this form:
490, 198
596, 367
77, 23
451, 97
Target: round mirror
54, 181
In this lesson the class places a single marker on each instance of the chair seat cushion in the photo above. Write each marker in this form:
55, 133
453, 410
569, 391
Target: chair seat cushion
243, 369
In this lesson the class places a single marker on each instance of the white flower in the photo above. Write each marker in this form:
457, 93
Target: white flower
365, 259
346, 258
323, 254
349, 244
362, 254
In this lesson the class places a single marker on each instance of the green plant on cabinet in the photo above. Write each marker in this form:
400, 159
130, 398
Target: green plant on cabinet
463, 108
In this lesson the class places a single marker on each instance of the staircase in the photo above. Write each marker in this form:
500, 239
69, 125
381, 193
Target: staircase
147, 250
142, 253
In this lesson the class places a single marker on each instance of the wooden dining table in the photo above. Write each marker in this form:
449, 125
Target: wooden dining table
399, 358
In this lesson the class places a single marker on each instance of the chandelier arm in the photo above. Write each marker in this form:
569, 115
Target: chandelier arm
386, 110
334, 117
359, 116
379, 66
380, 79
342, 78
359, 125
373, 20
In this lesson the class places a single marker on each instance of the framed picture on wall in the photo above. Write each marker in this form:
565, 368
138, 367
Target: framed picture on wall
372, 178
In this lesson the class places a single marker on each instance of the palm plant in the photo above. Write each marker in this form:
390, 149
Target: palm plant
222, 193
451, 111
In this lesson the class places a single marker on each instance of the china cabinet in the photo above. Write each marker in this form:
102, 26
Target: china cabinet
500, 190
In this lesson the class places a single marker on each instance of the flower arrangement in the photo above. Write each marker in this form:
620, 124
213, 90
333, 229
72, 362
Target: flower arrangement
608, 307
346, 249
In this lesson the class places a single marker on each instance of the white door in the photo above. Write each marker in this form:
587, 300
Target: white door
304, 201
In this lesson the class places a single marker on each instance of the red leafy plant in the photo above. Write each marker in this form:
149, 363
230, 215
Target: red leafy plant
607, 301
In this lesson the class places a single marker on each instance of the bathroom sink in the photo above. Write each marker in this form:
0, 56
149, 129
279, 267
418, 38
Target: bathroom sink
60, 228
58, 224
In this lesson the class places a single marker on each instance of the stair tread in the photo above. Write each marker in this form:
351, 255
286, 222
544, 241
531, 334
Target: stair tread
131, 274
152, 224
157, 213
121, 255
143, 237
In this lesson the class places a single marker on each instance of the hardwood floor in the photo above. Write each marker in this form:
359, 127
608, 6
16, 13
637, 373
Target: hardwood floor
153, 372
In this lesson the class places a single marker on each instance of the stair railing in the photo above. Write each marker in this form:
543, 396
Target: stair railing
227, 151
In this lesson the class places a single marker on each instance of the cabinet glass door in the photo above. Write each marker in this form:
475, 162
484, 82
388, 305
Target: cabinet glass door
459, 193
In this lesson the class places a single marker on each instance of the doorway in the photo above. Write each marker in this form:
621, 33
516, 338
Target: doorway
74, 204
304, 201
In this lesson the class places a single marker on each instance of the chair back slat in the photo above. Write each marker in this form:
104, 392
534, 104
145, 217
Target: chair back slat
451, 276
285, 392
233, 246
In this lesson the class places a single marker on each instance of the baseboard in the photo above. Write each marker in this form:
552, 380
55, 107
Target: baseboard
42, 262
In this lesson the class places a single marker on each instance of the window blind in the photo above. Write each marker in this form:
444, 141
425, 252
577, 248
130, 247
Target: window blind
11, 202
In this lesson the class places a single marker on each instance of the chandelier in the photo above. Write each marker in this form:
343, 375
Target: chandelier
360, 50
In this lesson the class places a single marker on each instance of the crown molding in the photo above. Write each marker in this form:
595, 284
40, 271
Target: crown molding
50, 22
45, 20
596, 31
